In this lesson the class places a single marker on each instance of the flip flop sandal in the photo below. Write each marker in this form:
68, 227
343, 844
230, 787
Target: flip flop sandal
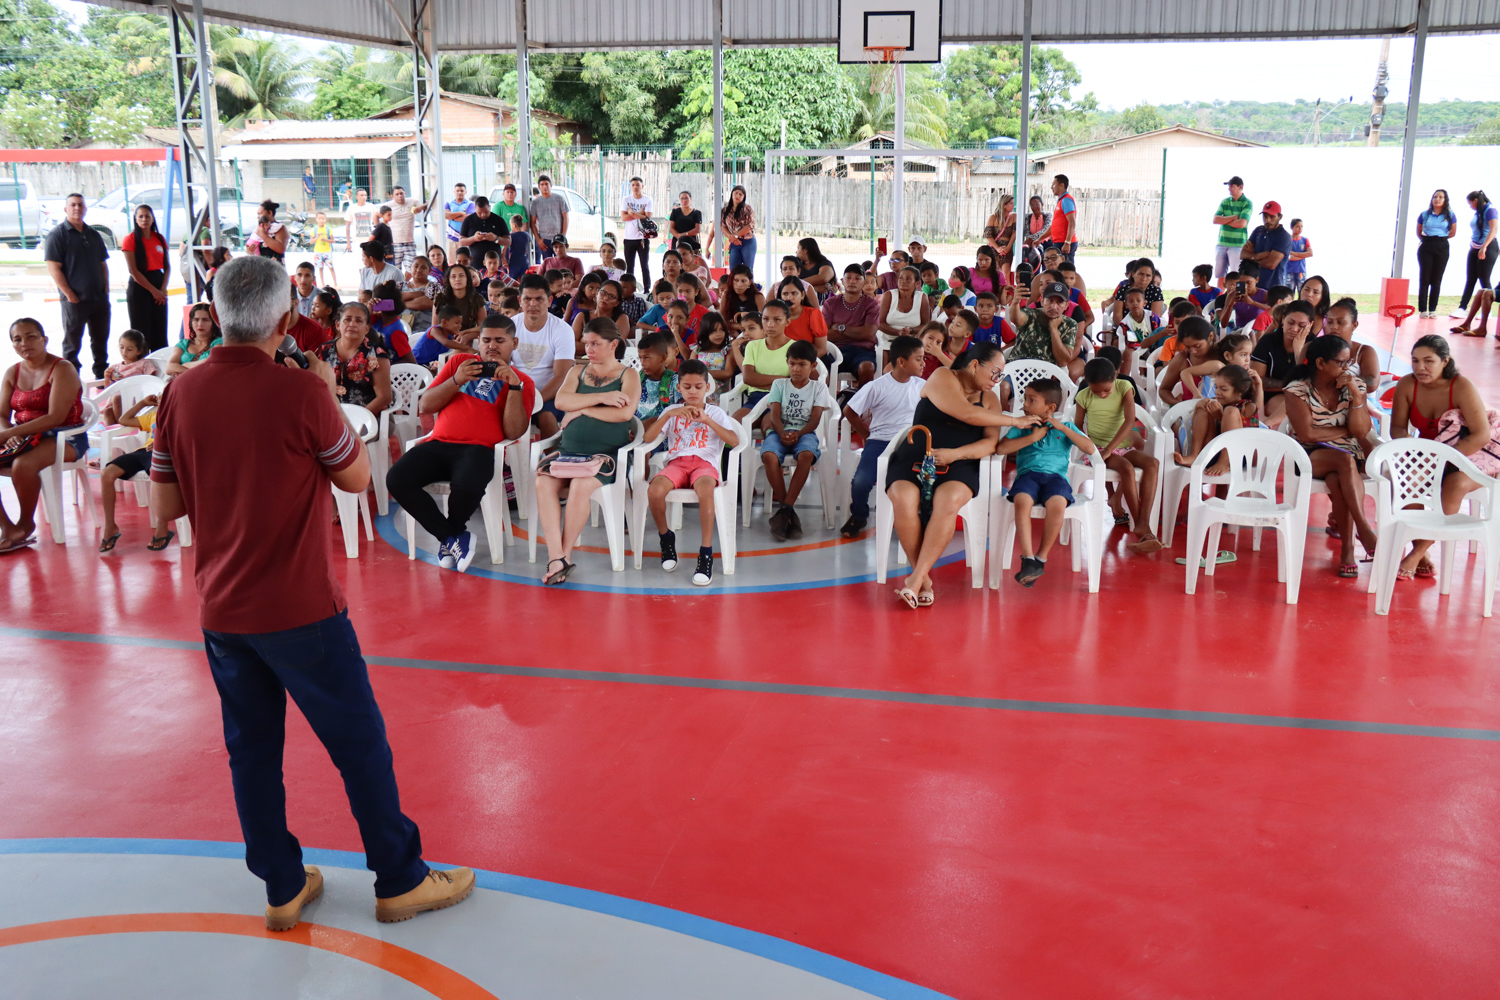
1425, 571
909, 596
1121, 520
159, 543
925, 599
560, 577
1348, 571
1403, 574
109, 543
24, 543
1225, 556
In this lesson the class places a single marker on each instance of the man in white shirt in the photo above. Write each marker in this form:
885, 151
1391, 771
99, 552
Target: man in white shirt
403, 228
375, 269
545, 349
634, 207
879, 411
455, 212
359, 221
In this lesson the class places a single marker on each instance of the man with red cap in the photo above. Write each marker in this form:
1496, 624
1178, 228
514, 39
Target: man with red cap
1270, 246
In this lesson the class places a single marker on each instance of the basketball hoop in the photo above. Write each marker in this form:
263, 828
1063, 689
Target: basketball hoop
882, 60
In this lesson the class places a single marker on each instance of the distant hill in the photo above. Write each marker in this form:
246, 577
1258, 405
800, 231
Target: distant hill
1285, 123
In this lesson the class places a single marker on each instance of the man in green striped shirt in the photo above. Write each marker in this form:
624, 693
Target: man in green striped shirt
1233, 220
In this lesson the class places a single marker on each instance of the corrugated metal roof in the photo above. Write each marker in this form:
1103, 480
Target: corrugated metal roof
357, 128
313, 150
463, 25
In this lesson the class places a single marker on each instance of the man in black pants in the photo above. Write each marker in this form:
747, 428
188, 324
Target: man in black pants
635, 207
474, 412
79, 265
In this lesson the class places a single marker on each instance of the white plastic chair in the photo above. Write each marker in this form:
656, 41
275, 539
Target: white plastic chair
1156, 445
354, 507
825, 469
975, 514
516, 453
120, 440
128, 391
610, 499
1409, 473
1088, 512
726, 495
52, 475
1367, 483
1023, 373
493, 506
401, 417
1255, 456
1175, 478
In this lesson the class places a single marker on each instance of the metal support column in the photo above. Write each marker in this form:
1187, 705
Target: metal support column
523, 109
1409, 138
721, 246
898, 180
192, 78
427, 121
1023, 200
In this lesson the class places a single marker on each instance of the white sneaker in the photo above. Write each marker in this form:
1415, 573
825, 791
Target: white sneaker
446, 558
1457, 314
463, 551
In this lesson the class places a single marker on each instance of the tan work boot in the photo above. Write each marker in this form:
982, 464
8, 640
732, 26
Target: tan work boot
438, 889
285, 916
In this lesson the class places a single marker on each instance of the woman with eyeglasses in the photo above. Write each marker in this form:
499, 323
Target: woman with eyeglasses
962, 418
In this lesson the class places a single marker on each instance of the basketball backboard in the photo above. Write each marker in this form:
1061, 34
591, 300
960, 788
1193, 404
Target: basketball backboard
911, 28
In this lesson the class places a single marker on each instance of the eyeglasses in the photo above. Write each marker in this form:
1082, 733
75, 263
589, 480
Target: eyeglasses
993, 373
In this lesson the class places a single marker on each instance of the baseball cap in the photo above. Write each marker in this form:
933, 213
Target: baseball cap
1056, 290
916, 241
1271, 207
559, 238
509, 187
1236, 181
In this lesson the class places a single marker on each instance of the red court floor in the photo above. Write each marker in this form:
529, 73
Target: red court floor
1024, 794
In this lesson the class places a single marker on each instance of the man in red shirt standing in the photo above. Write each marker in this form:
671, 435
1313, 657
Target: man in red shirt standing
478, 401
246, 448
1064, 233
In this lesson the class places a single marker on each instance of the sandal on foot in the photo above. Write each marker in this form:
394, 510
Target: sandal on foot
21, 543
109, 543
1121, 520
925, 599
158, 543
1348, 571
909, 596
1403, 574
557, 577
1425, 570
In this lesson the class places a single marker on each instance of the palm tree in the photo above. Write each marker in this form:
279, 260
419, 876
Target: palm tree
260, 77
926, 107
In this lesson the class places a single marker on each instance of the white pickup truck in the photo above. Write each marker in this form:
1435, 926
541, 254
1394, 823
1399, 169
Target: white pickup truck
21, 215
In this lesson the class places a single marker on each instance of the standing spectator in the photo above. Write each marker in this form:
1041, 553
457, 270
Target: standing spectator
309, 191
323, 249
549, 217
145, 254
269, 234
634, 207
1064, 235
1000, 233
484, 230
382, 232
737, 222
518, 253
79, 266
1435, 227
1269, 246
685, 220
1482, 248
1233, 220
274, 618
359, 220
852, 319
455, 212
509, 208
1296, 268
560, 260
1038, 225
403, 223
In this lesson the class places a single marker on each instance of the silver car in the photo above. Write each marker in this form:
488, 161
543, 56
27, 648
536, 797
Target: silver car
114, 219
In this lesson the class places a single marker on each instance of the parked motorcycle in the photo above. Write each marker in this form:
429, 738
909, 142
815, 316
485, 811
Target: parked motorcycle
297, 236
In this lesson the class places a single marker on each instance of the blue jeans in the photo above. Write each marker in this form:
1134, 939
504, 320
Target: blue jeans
321, 667
864, 479
742, 253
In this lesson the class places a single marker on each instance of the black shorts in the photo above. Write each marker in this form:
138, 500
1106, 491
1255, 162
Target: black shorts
133, 462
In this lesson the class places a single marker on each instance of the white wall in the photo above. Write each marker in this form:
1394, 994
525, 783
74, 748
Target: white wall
1345, 197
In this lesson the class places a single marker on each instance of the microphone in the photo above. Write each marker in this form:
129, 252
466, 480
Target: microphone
289, 349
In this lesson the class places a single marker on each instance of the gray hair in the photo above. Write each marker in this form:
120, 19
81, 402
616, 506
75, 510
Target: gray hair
250, 294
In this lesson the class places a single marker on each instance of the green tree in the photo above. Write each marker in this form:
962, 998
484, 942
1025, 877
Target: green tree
1486, 133
32, 122
260, 77
1143, 118
926, 105
698, 105
347, 97
983, 84
118, 123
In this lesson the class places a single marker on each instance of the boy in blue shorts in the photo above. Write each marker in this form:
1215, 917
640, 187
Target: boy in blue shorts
1041, 472
797, 404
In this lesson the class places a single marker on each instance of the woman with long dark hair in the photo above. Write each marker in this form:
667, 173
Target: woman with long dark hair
817, 270
1000, 232
145, 253
1483, 229
737, 223
1435, 227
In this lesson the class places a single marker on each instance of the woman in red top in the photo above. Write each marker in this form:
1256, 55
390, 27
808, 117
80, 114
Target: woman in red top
803, 322
146, 296
1433, 388
30, 415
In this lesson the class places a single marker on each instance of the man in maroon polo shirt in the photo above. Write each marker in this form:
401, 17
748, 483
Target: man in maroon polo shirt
853, 319
246, 449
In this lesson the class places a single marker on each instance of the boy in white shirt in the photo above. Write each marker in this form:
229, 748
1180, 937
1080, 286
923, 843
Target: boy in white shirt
697, 432
880, 410
797, 404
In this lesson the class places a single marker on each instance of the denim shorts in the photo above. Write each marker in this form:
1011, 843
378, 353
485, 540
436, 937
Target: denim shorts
806, 443
1041, 487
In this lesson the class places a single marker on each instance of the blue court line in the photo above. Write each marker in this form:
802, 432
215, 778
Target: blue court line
765, 946
723, 584
821, 691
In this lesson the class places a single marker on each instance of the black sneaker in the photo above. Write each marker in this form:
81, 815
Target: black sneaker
853, 527
779, 524
704, 574
794, 524
1031, 571
668, 551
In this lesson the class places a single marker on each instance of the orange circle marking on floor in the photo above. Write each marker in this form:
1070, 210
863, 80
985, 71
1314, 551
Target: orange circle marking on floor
434, 977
